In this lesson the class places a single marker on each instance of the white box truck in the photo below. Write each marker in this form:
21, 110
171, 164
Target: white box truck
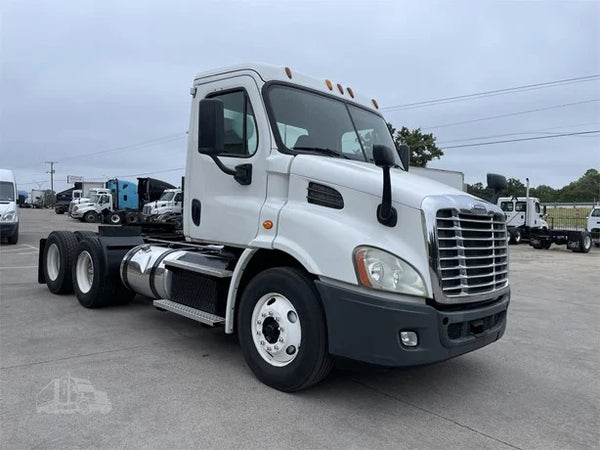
9, 210
306, 235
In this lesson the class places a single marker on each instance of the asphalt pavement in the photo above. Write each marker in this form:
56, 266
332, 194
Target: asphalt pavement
171, 383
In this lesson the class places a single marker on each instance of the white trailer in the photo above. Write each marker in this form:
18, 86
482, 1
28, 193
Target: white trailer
451, 178
306, 235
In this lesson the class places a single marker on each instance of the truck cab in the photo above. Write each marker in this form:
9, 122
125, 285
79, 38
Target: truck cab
9, 211
593, 224
90, 210
522, 215
170, 201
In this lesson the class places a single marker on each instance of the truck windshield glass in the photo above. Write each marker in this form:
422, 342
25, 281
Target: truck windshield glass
309, 122
94, 198
7, 191
166, 196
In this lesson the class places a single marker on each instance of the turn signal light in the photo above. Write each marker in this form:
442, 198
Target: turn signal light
329, 84
267, 224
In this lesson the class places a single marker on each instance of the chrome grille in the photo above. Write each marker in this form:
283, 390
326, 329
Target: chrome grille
472, 252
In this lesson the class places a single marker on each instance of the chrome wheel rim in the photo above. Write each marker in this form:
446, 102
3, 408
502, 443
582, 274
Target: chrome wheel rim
53, 262
84, 271
276, 329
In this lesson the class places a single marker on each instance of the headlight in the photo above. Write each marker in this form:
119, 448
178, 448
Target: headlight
75, 208
378, 269
9, 216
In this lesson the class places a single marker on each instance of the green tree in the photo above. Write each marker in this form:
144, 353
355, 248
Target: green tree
544, 192
479, 190
585, 189
515, 188
422, 146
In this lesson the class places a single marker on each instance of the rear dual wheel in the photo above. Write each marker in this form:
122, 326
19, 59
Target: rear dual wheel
57, 261
94, 283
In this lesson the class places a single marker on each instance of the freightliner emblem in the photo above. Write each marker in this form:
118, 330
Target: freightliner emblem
478, 207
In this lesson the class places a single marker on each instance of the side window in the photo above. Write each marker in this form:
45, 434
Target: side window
241, 137
537, 208
521, 207
506, 206
178, 198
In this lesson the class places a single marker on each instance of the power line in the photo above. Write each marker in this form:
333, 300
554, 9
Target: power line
477, 95
539, 131
517, 113
524, 139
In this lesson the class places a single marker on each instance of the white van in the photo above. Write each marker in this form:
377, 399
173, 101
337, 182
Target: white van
9, 212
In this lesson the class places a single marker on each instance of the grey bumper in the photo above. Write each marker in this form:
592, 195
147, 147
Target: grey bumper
365, 325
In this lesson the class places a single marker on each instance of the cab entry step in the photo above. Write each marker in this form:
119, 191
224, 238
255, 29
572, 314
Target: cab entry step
189, 312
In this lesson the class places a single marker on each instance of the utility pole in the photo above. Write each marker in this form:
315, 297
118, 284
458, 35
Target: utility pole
51, 172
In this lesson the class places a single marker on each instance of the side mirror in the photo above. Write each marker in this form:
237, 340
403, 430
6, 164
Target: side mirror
498, 184
384, 158
211, 134
404, 154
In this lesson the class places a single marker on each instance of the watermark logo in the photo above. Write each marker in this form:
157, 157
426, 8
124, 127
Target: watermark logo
70, 395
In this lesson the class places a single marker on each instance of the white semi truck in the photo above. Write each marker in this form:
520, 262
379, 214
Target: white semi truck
170, 202
525, 220
306, 235
593, 224
89, 209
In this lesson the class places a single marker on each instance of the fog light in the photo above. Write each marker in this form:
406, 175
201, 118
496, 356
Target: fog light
409, 338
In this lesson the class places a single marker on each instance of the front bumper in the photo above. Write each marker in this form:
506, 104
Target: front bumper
365, 325
76, 214
8, 229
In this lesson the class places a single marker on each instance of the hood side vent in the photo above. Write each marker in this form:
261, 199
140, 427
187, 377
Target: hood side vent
319, 194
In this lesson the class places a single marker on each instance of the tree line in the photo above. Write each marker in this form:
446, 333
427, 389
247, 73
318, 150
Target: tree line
585, 189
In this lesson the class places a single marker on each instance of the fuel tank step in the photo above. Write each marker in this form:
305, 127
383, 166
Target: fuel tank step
189, 312
204, 269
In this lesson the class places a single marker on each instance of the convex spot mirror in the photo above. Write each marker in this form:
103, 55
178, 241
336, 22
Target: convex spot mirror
404, 154
211, 127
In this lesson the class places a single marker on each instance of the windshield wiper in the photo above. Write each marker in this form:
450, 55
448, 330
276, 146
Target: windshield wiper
324, 151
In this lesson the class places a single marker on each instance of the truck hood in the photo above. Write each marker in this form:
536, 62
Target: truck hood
7, 206
407, 189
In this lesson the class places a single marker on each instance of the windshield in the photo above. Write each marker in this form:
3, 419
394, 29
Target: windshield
94, 198
7, 191
308, 122
166, 196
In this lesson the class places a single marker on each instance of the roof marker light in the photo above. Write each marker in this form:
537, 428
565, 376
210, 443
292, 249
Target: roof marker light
340, 88
288, 72
351, 92
329, 85
375, 104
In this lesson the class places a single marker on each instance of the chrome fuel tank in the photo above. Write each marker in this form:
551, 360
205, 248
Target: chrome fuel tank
143, 270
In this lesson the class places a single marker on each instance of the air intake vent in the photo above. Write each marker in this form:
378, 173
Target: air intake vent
319, 194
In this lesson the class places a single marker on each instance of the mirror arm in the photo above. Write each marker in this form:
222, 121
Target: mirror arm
386, 213
242, 173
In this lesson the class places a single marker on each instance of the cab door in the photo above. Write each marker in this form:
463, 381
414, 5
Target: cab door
218, 208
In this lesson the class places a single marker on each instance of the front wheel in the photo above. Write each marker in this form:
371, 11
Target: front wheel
90, 217
282, 331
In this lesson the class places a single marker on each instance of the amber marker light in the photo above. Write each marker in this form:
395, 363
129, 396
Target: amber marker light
359, 262
288, 72
375, 104
351, 92
267, 224
340, 88
329, 84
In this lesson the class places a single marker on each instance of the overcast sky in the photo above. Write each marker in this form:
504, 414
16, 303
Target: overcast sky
82, 77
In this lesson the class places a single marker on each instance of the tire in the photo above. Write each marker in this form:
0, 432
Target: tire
516, 236
585, 242
131, 218
57, 260
93, 284
90, 217
538, 245
115, 218
279, 290
546, 245
81, 235
14, 238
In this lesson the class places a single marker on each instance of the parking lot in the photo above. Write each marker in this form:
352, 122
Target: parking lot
173, 383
